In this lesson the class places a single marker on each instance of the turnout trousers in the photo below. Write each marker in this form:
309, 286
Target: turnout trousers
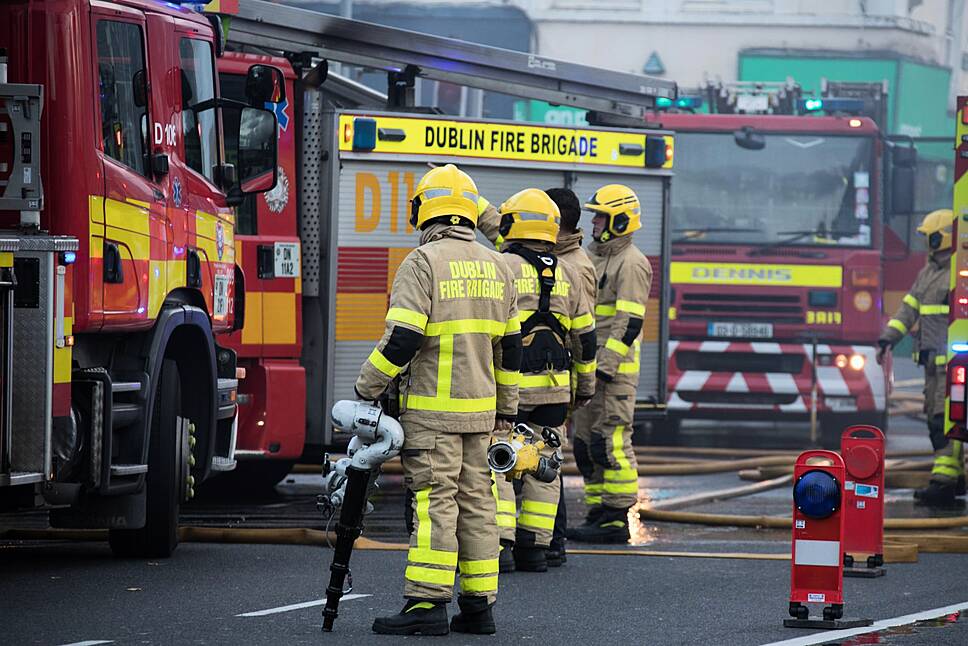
603, 447
453, 515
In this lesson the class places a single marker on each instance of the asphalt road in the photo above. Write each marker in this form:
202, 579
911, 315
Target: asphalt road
60, 594
66, 593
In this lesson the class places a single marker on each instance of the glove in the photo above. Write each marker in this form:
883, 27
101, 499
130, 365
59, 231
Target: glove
581, 402
884, 348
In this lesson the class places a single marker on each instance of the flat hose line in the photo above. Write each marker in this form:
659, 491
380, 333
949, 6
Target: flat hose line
893, 552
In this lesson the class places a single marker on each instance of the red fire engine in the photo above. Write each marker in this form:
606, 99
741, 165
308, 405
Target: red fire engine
777, 271
118, 264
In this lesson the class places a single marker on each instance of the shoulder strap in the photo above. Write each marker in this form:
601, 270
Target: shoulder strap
545, 264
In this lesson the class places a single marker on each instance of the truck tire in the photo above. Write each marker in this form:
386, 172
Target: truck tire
165, 481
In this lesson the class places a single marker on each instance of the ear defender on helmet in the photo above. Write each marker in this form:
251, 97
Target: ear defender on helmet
935, 240
447, 194
620, 205
530, 215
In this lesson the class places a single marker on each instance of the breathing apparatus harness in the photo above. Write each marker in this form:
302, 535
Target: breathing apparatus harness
546, 349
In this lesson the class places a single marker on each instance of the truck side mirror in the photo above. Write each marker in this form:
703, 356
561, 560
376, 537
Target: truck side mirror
264, 84
749, 139
904, 162
257, 161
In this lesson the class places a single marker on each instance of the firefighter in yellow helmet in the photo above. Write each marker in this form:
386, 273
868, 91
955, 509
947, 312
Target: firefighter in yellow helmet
558, 335
927, 304
603, 430
453, 337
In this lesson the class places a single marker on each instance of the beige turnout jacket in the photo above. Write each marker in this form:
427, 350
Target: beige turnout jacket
452, 335
624, 279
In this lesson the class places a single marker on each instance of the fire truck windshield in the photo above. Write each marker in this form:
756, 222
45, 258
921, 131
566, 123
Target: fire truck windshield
797, 190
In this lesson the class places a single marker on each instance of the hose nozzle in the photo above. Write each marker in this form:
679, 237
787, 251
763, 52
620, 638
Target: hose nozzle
520, 455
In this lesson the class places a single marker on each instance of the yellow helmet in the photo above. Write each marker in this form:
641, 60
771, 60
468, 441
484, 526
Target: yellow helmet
621, 205
937, 227
530, 215
444, 192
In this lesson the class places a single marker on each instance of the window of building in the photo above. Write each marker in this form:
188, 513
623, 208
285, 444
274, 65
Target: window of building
123, 92
199, 127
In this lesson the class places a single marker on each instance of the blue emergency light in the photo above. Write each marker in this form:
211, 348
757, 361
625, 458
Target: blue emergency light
831, 105
682, 103
364, 133
816, 494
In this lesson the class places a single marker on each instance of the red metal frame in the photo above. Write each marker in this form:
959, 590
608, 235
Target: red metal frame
862, 448
818, 583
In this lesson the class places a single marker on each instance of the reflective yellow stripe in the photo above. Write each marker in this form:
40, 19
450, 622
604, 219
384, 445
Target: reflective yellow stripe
513, 325
506, 506
450, 405
583, 321
617, 346
622, 487
507, 377
621, 474
409, 317
503, 520
593, 500
912, 302
565, 321
940, 360
423, 517
605, 310
638, 309
594, 487
540, 522
445, 365
931, 310
467, 326
431, 556
383, 364
479, 584
429, 575
632, 367
482, 205
546, 508
545, 381
897, 325
586, 367
485, 566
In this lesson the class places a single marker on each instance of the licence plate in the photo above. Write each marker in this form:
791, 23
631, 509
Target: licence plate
741, 330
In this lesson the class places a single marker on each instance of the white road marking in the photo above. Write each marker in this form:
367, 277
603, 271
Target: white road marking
90, 642
297, 606
883, 624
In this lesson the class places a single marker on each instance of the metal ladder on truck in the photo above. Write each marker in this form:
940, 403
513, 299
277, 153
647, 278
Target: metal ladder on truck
610, 96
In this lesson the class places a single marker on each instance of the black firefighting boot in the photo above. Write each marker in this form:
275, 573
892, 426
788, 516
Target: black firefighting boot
556, 554
528, 557
474, 617
611, 527
591, 519
419, 616
505, 560
938, 494
960, 486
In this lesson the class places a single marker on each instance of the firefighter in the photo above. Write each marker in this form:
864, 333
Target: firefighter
452, 330
558, 335
568, 249
927, 304
603, 430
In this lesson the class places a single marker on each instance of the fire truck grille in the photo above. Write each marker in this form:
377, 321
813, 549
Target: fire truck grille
766, 308
754, 399
739, 362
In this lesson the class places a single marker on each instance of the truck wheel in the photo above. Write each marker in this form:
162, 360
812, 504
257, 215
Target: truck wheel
166, 481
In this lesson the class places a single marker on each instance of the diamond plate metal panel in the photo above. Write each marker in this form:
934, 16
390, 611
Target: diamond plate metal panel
33, 365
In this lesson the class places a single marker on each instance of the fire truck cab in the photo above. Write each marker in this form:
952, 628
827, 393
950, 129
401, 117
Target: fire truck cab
777, 272
119, 264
